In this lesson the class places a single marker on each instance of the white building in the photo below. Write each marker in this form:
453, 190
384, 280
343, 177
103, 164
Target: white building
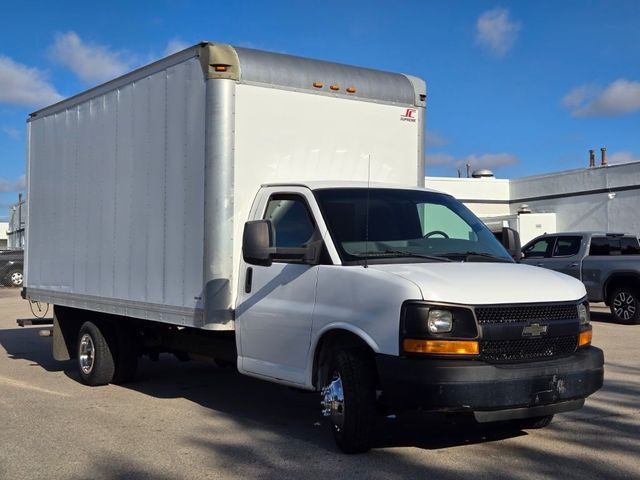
603, 198
4, 227
14, 233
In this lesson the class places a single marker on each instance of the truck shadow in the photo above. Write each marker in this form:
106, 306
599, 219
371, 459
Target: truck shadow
291, 413
606, 317
24, 343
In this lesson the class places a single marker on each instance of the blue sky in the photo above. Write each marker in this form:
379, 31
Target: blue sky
518, 87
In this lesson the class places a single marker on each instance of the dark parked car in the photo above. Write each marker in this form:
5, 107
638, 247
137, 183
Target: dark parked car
11, 262
607, 263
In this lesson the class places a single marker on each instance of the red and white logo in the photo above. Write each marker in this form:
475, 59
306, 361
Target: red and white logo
409, 115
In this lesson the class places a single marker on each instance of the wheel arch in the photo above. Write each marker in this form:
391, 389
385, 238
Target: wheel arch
334, 338
618, 279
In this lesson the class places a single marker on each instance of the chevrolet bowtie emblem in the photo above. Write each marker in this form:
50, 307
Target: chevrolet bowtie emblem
534, 330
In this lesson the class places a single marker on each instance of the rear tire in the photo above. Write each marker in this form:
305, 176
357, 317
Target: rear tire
532, 423
349, 397
624, 305
95, 356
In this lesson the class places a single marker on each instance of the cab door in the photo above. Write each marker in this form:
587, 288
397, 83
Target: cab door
538, 251
565, 257
275, 303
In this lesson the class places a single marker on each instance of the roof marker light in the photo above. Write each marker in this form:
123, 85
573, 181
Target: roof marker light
351, 89
335, 87
318, 84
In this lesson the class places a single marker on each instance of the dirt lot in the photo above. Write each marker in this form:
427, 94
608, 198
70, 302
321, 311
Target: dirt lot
191, 420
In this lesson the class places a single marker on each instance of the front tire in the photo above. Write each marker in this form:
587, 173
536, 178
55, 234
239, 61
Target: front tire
95, 358
349, 401
624, 305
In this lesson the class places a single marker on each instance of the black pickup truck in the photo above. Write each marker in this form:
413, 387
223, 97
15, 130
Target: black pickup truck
11, 262
607, 263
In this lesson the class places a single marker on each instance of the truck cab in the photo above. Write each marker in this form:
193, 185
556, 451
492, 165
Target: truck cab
402, 297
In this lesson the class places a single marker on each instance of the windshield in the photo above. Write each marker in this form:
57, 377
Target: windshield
405, 224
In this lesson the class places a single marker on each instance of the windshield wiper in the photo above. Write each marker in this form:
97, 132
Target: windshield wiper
468, 254
418, 255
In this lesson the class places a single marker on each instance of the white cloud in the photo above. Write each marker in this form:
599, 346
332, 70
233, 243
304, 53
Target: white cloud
434, 139
496, 32
25, 86
488, 160
620, 97
90, 62
9, 186
622, 157
175, 45
436, 159
12, 132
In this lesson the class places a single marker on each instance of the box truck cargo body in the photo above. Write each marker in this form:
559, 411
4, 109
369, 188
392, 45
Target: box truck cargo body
140, 187
267, 211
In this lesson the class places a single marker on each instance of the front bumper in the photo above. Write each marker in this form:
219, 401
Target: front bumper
544, 387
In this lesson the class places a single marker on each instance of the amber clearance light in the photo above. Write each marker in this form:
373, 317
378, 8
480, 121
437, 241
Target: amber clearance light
585, 338
441, 347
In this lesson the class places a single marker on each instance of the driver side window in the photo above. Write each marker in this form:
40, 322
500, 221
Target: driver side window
540, 249
291, 220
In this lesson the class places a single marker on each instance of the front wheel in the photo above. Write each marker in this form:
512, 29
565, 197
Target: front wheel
349, 401
624, 305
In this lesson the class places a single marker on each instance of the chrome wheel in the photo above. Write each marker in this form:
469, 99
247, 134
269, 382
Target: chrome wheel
624, 306
333, 402
86, 354
16, 279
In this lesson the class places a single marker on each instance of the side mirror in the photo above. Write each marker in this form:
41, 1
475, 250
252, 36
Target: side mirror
258, 249
256, 242
511, 241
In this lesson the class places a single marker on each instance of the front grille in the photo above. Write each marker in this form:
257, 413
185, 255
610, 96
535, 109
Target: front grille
528, 348
516, 314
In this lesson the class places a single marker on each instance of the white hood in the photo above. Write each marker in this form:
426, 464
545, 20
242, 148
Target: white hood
479, 283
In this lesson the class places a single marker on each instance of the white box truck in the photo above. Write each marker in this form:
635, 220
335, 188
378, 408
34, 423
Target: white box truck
240, 205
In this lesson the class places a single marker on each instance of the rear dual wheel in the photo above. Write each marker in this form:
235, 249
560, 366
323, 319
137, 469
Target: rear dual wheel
106, 355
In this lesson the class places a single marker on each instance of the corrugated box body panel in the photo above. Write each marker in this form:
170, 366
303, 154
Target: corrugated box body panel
116, 187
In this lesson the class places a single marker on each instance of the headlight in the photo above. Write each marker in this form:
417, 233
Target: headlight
439, 321
583, 314
420, 319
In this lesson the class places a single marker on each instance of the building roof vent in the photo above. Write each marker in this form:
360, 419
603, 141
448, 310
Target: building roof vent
524, 209
483, 173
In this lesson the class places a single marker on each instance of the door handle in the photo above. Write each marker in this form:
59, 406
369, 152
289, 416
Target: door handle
574, 264
538, 264
248, 280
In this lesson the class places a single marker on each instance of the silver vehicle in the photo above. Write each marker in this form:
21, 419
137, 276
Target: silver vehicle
607, 263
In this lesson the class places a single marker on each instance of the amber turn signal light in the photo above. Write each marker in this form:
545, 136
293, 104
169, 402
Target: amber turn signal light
220, 68
585, 338
441, 347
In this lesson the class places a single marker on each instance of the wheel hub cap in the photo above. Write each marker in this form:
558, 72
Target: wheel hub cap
333, 402
624, 305
86, 354
16, 278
